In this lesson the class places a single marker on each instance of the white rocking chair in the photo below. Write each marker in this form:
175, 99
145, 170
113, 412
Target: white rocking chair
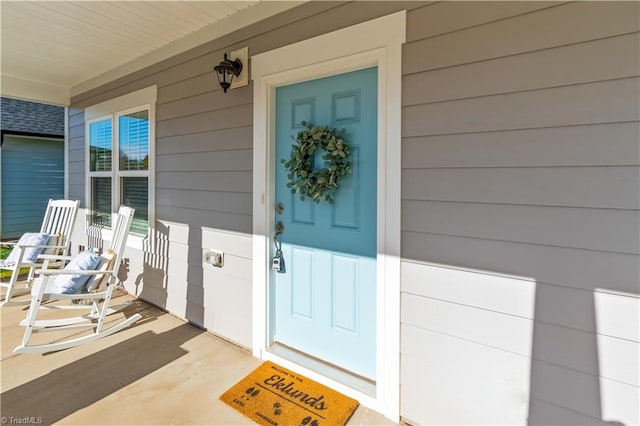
57, 226
97, 291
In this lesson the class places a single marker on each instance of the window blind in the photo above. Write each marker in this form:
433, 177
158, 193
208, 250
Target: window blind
135, 194
133, 140
101, 201
100, 143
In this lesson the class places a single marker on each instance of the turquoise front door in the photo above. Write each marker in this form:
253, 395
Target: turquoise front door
324, 302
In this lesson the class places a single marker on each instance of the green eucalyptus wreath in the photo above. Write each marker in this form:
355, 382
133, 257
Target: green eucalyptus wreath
321, 183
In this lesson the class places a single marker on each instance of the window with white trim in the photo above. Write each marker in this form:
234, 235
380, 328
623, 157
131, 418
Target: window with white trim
120, 147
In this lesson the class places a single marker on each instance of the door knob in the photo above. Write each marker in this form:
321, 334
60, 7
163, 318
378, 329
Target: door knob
279, 227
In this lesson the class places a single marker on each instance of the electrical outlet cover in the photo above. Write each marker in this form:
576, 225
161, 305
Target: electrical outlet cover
214, 258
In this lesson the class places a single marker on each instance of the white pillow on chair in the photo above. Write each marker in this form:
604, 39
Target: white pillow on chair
75, 283
30, 254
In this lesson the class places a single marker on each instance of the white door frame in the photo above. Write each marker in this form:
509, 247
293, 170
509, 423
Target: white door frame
373, 43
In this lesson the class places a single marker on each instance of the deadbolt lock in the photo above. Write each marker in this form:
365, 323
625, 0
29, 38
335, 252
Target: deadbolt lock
279, 227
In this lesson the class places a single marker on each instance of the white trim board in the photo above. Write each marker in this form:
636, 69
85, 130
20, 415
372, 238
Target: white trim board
148, 95
373, 43
67, 131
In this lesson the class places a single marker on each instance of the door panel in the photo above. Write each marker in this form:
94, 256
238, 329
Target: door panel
324, 302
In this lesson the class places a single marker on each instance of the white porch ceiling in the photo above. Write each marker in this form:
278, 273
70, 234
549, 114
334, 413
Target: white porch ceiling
52, 50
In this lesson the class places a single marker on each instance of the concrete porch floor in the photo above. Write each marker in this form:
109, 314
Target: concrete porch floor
159, 371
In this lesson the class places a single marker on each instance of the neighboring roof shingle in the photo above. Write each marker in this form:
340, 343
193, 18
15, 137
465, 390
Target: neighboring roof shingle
30, 117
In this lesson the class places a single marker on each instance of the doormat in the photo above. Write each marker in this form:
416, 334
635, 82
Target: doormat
274, 396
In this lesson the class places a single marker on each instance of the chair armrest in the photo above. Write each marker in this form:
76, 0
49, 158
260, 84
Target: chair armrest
59, 246
54, 257
71, 272
36, 246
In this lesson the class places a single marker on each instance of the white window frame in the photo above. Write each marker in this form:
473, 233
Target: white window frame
140, 100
